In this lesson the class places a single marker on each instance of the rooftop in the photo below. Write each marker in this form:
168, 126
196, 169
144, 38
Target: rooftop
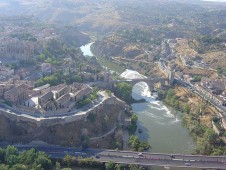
42, 87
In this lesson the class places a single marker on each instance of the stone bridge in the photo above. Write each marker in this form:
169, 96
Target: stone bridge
150, 82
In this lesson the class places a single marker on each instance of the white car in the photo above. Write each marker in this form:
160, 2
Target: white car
140, 154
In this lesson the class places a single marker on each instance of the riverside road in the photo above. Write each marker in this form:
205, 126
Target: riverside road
139, 158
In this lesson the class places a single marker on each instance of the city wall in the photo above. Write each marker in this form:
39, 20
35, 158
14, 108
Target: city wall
64, 117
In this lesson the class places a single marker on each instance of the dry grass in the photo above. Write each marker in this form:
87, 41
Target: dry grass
215, 59
187, 97
184, 49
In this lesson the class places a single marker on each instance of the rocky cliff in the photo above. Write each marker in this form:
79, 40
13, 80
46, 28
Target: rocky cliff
114, 46
73, 133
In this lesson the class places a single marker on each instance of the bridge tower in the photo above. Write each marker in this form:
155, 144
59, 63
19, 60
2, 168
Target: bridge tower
171, 75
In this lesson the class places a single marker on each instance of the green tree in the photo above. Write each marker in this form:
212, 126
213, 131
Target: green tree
133, 167
28, 157
124, 91
58, 167
134, 118
19, 167
211, 137
110, 165
187, 109
43, 160
11, 155
4, 167
2, 155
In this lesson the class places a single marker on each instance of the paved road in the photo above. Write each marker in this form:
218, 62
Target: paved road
144, 158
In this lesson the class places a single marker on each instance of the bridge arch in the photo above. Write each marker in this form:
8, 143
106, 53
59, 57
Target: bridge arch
141, 90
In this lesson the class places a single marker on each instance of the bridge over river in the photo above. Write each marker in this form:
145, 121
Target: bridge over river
139, 158
150, 82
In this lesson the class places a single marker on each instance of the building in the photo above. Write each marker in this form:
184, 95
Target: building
16, 49
17, 94
42, 89
5, 87
63, 101
61, 91
44, 99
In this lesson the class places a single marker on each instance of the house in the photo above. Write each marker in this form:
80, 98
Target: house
42, 100
79, 91
5, 87
63, 101
42, 89
60, 90
17, 94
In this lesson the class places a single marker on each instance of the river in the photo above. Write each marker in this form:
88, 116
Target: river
161, 126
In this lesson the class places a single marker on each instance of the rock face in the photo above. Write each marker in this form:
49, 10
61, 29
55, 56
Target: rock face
68, 134
72, 36
114, 46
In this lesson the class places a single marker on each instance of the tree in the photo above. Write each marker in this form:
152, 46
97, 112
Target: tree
58, 167
19, 167
67, 160
133, 167
134, 142
11, 155
43, 160
110, 165
124, 91
211, 137
4, 167
134, 119
187, 108
117, 167
2, 155
28, 157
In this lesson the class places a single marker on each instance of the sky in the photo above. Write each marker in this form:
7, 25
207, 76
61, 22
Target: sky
216, 0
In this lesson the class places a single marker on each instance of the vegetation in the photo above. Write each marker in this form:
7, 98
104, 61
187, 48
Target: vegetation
87, 100
124, 91
221, 70
208, 142
217, 123
138, 35
133, 126
196, 78
172, 100
24, 36
137, 145
207, 43
113, 166
12, 159
58, 78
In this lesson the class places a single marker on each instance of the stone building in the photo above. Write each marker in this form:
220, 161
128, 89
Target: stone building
20, 50
17, 94
42, 100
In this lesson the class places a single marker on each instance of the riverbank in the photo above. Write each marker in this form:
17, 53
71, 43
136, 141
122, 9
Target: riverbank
198, 115
161, 126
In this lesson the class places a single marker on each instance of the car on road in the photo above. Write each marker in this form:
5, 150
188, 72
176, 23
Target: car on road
187, 164
140, 154
172, 156
97, 156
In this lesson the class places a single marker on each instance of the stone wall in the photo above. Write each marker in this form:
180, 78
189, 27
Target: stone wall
65, 130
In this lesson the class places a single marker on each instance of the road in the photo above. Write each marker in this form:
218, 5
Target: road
129, 157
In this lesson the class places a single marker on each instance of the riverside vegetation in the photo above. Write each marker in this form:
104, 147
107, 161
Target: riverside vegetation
124, 91
12, 159
208, 142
